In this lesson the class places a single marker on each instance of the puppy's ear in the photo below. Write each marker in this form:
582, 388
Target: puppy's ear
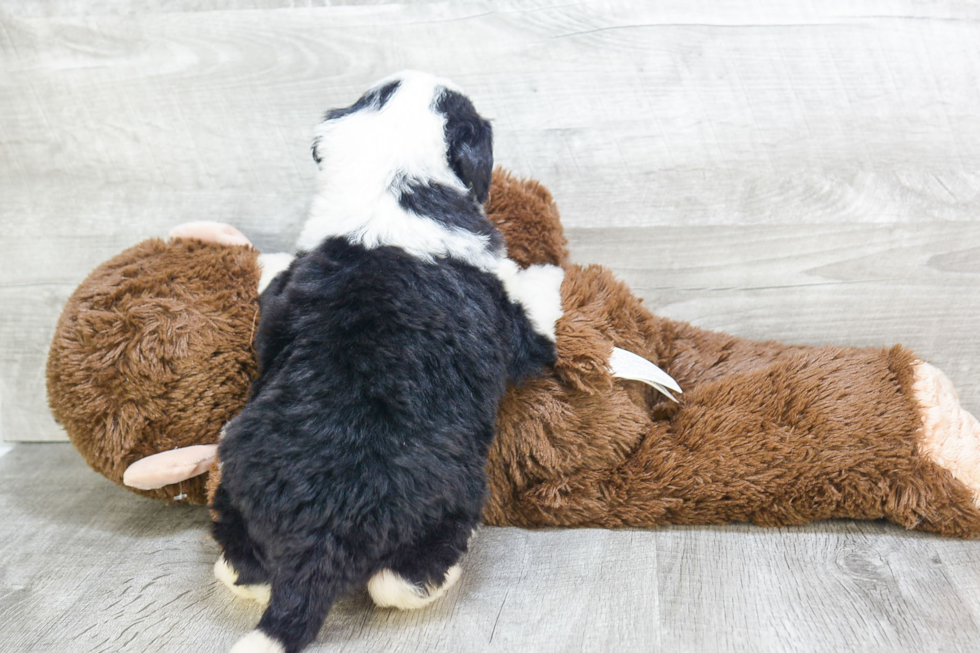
469, 140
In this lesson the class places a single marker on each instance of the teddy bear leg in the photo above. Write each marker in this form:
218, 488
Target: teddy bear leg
416, 577
238, 566
950, 435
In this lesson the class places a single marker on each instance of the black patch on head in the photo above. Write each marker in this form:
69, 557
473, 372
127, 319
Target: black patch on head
375, 99
363, 102
470, 143
385, 93
449, 207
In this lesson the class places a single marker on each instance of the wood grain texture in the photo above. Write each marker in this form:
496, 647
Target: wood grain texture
116, 125
51, 8
86, 566
799, 171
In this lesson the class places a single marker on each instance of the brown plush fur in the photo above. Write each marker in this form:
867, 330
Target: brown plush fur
765, 432
153, 352
525, 213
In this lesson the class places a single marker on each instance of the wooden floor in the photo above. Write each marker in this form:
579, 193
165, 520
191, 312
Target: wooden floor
87, 566
784, 169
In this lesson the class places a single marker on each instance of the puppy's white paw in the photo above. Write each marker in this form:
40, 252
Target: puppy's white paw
227, 575
389, 590
257, 642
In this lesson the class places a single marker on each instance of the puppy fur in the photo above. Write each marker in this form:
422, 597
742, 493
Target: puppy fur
384, 349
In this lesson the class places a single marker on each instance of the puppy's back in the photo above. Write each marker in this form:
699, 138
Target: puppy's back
381, 395
385, 350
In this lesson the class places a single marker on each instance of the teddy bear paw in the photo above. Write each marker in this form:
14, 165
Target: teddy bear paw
950, 435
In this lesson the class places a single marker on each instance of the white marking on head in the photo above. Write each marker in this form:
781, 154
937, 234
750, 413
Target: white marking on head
365, 155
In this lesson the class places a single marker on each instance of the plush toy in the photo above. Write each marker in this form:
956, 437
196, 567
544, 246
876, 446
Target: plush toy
153, 354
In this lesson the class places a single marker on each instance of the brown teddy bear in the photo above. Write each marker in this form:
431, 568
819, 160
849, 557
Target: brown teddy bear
153, 353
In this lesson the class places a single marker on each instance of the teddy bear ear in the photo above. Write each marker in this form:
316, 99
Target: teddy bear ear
210, 232
169, 467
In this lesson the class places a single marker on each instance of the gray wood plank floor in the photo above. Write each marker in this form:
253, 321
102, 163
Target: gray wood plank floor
808, 172
85, 566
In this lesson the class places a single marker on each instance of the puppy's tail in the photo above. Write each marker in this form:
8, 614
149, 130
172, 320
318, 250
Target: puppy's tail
297, 608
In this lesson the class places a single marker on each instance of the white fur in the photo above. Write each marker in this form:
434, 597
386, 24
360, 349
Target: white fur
389, 590
225, 573
257, 642
536, 288
363, 157
271, 265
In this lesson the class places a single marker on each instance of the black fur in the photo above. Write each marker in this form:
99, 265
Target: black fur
470, 140
385, 93
363, 443
449, 207
376, 98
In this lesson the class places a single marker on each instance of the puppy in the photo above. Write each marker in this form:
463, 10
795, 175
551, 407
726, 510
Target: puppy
384, 349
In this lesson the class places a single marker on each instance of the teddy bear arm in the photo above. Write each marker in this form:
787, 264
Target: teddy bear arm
602, 315
693, 355
825, 433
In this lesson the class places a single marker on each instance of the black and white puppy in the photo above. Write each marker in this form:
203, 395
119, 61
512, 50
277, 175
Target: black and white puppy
384, 349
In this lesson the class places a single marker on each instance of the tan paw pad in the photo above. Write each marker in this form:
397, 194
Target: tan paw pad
950, 435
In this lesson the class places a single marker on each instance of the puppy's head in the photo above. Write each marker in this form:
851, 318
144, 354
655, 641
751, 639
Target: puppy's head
413, 127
